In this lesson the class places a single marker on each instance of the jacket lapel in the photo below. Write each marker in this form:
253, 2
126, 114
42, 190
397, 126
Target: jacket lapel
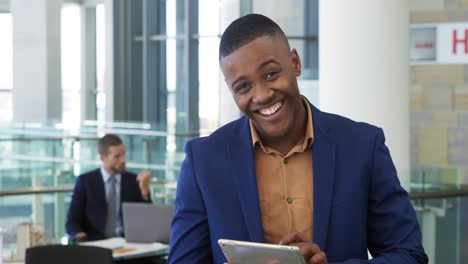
100, 189
123, 191
323, 155
243, 170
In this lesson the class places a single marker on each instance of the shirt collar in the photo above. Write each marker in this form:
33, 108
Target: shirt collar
106, 176
309, 133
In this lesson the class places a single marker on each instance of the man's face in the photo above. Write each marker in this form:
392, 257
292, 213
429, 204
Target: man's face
115, 159
262, 78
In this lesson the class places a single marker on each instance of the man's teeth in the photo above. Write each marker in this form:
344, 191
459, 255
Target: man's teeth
271, 110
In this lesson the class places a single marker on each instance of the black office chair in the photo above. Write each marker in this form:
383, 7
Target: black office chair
70, 254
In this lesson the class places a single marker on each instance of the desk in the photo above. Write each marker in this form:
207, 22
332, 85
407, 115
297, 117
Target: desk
143, 260
125, 252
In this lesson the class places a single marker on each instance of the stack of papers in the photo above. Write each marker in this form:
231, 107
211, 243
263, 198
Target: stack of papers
122, 249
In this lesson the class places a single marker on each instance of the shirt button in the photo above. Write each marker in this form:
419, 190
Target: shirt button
289, 200
285, 160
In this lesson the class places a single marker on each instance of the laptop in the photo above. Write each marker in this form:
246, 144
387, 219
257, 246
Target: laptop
147, 223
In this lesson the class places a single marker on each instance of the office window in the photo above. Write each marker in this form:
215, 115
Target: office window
166, 69
6, 67
299, 21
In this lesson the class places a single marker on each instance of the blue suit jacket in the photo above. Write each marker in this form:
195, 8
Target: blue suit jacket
358, 201
88, 208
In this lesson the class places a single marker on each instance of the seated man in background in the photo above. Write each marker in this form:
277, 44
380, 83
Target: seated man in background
95, 210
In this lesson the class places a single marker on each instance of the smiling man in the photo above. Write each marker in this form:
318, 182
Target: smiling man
286, 172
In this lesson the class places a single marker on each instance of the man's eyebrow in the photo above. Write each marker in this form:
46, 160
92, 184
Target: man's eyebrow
263, 64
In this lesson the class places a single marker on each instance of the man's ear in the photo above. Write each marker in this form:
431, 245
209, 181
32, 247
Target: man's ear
101, 157
296, 62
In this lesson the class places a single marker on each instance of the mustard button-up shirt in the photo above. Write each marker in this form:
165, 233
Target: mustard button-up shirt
285, 185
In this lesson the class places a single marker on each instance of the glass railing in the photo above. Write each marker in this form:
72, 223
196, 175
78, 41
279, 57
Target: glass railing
440, 198
39, 165
46, 210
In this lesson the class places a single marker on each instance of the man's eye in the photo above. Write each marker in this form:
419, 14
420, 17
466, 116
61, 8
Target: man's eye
271, 75
242, 88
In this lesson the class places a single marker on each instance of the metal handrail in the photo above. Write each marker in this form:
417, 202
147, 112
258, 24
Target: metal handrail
85, 162
48, 138
69, 188
92, 131
41, 190
439, 194
36, 190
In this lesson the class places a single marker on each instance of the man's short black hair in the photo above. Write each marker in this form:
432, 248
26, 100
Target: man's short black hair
246, 29
106, 142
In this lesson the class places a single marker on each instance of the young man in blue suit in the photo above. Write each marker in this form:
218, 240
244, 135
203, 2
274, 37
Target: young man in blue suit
286, 172
95, 210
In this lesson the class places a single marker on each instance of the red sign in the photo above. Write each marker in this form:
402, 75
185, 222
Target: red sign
456, 41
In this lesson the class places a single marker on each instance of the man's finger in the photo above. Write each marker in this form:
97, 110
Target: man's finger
144, 176
307, 249
295, 237
319, 258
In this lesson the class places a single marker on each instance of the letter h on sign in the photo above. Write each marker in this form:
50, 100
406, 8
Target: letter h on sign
457, 41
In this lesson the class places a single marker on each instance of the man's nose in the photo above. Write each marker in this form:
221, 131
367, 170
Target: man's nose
262, 94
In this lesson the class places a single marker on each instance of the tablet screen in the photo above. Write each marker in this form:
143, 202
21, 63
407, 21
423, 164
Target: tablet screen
241, 252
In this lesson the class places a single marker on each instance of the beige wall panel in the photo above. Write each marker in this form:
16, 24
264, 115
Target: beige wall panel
429, 17
463, 119
430, 74
445, 118
438, 98
449, 176
451, 4
460, 97
420, 118
426, 5
465, 68
417, 97
458, 146
433, 145
458, 15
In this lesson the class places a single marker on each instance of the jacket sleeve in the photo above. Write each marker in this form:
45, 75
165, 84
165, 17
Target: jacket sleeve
76, 211
190, 238
393, 233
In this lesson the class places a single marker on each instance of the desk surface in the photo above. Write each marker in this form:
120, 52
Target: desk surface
124, 250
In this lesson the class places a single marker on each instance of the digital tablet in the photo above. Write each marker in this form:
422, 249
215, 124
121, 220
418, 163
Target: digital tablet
241, 252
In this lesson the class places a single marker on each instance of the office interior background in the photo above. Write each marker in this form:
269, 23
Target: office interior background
147, 70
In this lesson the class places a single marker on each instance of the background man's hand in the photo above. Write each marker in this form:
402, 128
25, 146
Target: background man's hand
311, 252
81, 237
144, 180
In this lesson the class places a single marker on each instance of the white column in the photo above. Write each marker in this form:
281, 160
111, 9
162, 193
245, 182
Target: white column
88, 65
363, 68
37, 95
228, 110
109, 72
